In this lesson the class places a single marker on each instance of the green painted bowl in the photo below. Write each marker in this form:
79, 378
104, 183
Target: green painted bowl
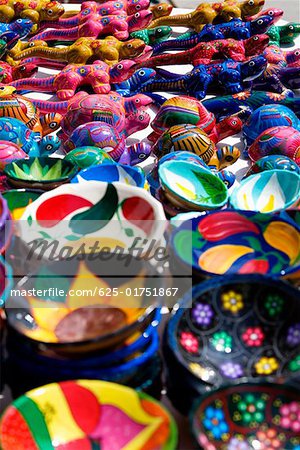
88, 156
40, 173
191, 187
19, 199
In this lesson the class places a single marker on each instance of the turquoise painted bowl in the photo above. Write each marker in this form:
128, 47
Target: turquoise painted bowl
192, 187
266, 192
109, 173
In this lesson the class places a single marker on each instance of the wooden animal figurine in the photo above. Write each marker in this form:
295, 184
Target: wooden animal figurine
21, 108
182, 137
284, 34
98, 75
205, 52
9, 74
235, 29
97, 26
87, 50
133, 84
106, 137
161, 10
188, 110
125, 114
230, 104
34, 10
152, 36
209, 12
21, 27
229, 74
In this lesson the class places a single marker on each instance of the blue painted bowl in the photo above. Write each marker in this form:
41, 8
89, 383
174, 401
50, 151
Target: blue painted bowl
110, 173
266, 192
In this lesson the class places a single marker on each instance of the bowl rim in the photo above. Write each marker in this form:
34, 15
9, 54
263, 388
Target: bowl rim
233, 200
170, 444
289, 271
207, 286
200, 169
73, 170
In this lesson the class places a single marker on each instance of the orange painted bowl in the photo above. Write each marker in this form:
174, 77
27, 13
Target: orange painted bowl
238, 242
80, 306
87, 415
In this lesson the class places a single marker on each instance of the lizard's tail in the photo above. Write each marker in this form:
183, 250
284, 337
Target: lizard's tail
45, 106
59, 54
35, 84
53, 35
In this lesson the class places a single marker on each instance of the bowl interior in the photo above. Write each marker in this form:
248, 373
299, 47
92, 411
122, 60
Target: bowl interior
40, 169
227, 242
54, 305
238, 327
269, 191
248, 416
193, 184
112, 172
88, 414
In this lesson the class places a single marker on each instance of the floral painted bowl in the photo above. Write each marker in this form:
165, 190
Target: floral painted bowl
235, 327
87, 414
84, 157
270, 191
109, 173
248, 417
192, 187
64, 321
111, 214
228, 242
39, 173
10, 152
19, 199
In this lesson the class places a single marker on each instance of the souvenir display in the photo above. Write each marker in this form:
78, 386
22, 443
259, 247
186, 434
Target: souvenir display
86, 413
149, 225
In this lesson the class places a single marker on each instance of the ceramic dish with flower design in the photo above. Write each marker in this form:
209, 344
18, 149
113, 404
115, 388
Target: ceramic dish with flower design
87, 415
269, 191
105, 312
110, 173
233, 327
39, 173
248, 417
232, 241
192, 187
113, 215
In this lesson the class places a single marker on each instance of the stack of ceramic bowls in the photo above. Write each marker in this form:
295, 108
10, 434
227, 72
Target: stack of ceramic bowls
87, 414
231, 329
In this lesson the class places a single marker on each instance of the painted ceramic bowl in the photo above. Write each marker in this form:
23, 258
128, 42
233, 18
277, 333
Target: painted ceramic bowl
69, 318
277, 141
231, 328
192, 187
40, 173
248, 417
10, 152
228, 242
109, 173
19, 199
88, 414
112, 214
270, 191
84, 157
272, 162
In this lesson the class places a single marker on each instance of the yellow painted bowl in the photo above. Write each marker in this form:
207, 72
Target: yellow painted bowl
87, 415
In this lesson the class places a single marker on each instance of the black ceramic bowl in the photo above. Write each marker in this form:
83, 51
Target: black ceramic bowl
232, 329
